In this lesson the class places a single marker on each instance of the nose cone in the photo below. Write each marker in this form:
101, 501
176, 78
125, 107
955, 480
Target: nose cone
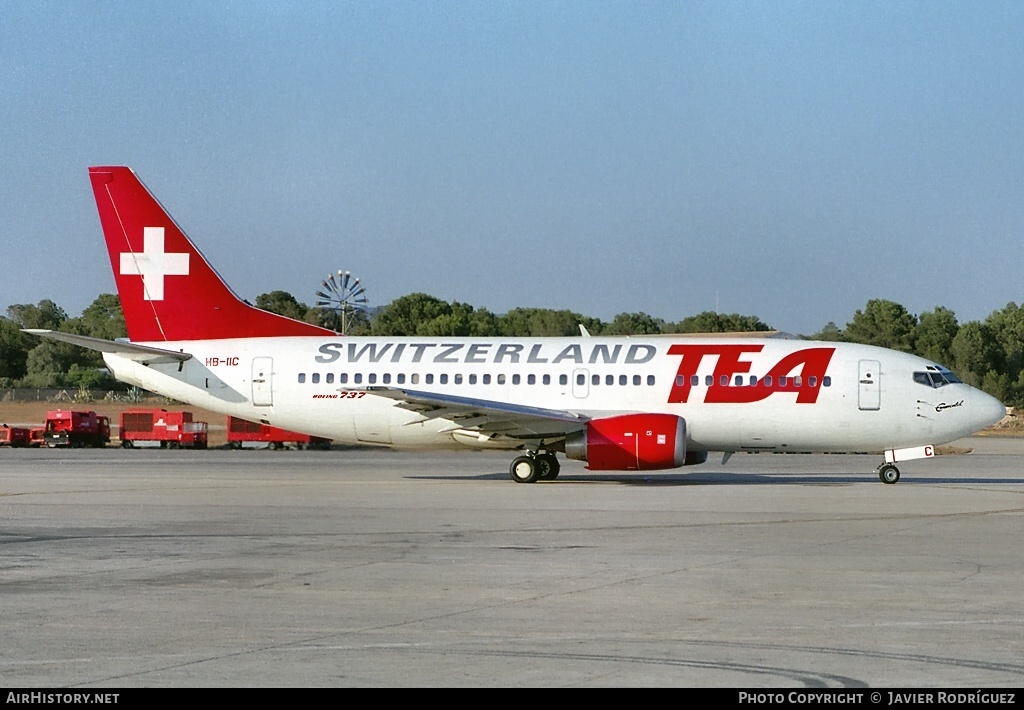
986, 410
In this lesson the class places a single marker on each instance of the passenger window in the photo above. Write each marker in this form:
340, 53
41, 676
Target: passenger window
472, 379
723, 380
458, 379
372, 378
812, 381
329, 378
414, 378
767, 381
387, 378
650, 380
595, 379
563, 379
709, 380
343, 378
358, 378
516, 379
443, 379
531, 379
609, 379
623, 380
501, 379
316, 378
783, 381
636, 380
401, 378
826, 381
302, 378
487, 379
547, 379
429, 378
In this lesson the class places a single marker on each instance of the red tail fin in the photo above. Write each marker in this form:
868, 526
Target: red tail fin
168, 290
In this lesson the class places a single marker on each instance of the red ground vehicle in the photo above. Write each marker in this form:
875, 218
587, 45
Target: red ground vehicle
35, 436
240, 430
13, 436
172, 430
73, 428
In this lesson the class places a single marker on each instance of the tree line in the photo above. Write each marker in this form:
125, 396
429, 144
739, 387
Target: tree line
988, 354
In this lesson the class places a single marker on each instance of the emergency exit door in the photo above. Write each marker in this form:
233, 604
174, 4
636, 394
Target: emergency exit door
869, 387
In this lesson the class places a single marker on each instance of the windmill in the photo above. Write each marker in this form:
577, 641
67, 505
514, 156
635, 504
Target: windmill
344, 295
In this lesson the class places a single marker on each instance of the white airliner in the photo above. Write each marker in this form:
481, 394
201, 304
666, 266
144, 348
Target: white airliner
626, 403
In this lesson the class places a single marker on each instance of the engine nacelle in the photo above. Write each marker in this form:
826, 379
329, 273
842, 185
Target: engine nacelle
630, 442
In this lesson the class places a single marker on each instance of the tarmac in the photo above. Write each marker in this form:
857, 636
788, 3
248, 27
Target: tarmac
361, 567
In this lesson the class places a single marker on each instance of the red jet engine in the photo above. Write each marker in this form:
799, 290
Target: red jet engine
631, 442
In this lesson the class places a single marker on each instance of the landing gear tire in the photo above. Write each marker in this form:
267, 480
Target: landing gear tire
524, 469
548, 466
888, 473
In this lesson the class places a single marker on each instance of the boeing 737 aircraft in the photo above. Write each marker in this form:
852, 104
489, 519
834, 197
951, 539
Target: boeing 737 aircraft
625, 403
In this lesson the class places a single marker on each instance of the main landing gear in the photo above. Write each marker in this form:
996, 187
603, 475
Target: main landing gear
534, 467
888, 473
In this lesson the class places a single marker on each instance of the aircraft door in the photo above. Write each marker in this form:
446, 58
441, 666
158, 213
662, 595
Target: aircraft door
869, 387
263, 381
580, 383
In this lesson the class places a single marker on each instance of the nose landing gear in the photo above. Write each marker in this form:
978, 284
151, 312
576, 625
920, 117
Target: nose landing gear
888, 473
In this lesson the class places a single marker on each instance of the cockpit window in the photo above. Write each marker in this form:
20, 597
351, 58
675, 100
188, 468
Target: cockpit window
935, 377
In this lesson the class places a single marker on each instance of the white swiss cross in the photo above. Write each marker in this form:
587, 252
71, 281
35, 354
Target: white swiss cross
153, 264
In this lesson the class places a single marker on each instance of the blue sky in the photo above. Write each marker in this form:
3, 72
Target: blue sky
789, 160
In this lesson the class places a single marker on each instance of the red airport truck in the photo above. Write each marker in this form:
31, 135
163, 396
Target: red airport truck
76, 429
14, 436
171, 430
35, 436
241, 431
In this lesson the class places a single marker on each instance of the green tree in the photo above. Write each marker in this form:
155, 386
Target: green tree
545, 322
711, 322
975, 353
934, 334
885, 324
407, 314
484, 324
1007, 328
283, 304
103, 318
46, 315
48, 363
831, 333
14, 347
634, 324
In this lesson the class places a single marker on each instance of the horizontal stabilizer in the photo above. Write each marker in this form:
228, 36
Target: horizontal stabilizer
139, 353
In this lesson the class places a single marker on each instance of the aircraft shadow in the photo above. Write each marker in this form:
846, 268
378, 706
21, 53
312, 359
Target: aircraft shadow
730, 479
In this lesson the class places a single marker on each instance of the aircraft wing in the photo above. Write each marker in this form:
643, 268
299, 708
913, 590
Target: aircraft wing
487, 417
139, 353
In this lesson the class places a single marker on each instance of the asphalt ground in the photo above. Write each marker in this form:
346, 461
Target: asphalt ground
158, 568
